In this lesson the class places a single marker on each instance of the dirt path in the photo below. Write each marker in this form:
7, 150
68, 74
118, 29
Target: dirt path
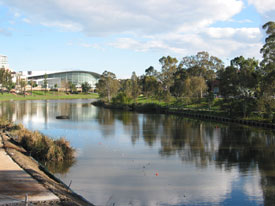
15, 183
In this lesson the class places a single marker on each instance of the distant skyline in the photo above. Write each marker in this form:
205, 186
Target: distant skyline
125, 36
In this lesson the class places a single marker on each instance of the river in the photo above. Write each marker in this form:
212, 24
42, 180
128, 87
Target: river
127, 158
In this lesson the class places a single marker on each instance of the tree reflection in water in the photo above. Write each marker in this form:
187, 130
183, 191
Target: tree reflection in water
204, 143
195, 141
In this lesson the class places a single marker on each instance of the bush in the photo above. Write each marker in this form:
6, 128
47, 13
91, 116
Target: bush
43, 148
121, 98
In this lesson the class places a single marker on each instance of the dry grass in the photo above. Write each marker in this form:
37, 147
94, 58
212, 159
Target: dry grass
38, 145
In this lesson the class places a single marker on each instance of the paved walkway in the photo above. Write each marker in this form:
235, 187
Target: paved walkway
15, 183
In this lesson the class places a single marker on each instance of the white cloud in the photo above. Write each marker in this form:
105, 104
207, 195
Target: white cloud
26, 20
144, 16
4, 32
67, 26
221, 42
263, 5
179, 27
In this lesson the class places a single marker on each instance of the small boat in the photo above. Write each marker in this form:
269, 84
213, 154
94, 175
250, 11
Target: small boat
62, 117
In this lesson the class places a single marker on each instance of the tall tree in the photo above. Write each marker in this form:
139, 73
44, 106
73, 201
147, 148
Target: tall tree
149, 82
169, 67
179, 77
194, 86
266, 100
72, 87
135, 86
45, 82
85, 87
31, 83
202, 65
5, 79
23, 85
126, 87
108, 85
241, 78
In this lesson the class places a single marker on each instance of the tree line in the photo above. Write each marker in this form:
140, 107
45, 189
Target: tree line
246, 85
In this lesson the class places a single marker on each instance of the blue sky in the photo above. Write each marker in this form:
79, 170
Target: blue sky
123, 36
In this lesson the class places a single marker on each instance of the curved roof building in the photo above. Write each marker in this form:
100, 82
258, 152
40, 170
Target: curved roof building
59, 78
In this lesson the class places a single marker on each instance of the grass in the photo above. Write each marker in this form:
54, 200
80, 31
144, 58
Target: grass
181, 104
41, 147
198, 106
41, 95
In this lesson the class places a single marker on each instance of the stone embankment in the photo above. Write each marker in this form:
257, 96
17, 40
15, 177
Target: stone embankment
201, 114
21, 176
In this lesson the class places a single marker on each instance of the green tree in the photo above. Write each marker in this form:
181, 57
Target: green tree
45, 82
135, 86
107, 86
5, 79
169, 67
241, 78
31, 83
149, 82
239, 84
202, 65
66, 85
85, 87
266, 98
126, 87
72, 87
23, 85
179, 77
194, 86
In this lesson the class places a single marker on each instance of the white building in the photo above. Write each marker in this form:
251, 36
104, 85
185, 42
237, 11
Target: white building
4, 62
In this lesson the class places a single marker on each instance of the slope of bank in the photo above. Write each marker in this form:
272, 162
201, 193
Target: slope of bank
20, 156
40, 95
194, 113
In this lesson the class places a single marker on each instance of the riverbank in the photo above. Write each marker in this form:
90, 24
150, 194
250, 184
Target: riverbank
38, 172
41, 95
188, 112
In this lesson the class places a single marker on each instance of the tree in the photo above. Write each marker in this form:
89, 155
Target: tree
23, 84
241, 78
126, 87
85, 87
107, 85
149, 82
202, 65
179, 77
5, 79
150, 71
239, 84
45, 82
266, 98
66, 85
169, 67
268, 50
31, 83
135, 86
194, 86
72, 87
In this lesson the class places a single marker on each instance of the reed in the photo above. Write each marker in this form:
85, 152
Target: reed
38, 145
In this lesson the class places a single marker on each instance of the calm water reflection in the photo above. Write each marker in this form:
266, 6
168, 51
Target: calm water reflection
145, 159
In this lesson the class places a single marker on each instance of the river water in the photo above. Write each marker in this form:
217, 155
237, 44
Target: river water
127, 158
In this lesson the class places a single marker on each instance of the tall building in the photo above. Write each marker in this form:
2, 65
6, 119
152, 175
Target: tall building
4, 62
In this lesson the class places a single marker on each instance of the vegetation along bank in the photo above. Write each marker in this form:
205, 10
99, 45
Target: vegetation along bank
37, 154
203, 85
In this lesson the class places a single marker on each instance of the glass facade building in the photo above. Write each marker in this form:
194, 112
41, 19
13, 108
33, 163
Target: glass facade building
75, 77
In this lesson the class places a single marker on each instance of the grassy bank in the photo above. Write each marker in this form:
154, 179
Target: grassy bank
19, 155
41, 95
202, 108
